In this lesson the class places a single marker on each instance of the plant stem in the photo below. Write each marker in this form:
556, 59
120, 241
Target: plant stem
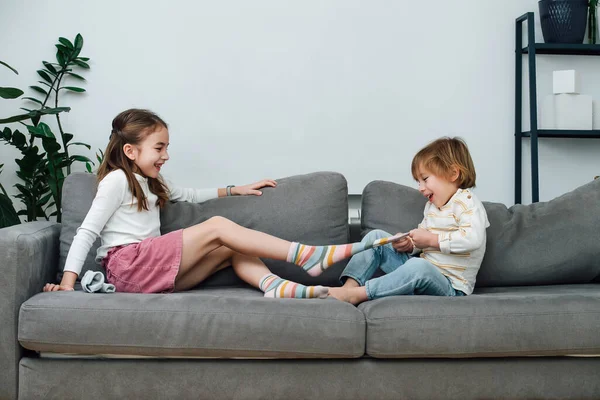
593, 25
62, 134
31, 138
56, 78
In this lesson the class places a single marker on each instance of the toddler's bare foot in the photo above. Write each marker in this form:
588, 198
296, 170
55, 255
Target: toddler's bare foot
350, 295
350, 283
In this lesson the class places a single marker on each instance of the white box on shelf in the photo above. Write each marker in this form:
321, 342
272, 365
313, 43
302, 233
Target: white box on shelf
566, 81
567, 111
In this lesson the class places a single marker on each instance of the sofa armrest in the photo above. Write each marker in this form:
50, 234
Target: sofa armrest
28, 259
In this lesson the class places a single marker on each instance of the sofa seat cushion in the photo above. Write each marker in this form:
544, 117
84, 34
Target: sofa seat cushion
493, 322
223, 323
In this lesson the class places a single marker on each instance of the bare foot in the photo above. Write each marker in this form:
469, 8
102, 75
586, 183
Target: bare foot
350, 283
349, 295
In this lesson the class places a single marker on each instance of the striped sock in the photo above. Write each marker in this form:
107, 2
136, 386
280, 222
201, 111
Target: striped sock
316, 259
274, 286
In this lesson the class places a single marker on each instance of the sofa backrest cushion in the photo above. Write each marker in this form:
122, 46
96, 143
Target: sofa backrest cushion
79, 190
554, 242
391, 207
311, 209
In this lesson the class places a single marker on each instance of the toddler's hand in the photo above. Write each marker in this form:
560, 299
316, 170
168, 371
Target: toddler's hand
251, 189
403, 245
422, 238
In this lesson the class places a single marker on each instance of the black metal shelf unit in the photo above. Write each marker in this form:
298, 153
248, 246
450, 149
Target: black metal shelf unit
531, 50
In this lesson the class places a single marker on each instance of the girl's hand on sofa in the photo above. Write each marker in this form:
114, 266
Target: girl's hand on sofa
423, 239
252, 189
51, 287
404, 245
66, 284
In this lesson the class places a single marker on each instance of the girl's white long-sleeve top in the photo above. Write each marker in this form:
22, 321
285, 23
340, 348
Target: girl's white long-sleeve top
115, 218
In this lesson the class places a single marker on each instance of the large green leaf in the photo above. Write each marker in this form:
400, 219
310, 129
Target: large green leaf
73, 89
34, 114
32, 99
82, 64
80, 144
63, 49
53, 182
36, 130
50, 67
56, 110
50, 145
41, 131
44, 75
29, 165
9, 67
39, 90
61, 59
49, 142
67, 137
18, 139
42, 201
78, 45
64, 163
6, 134
16, 118
76, 76
22, 189
100, 156
80, 158
8, 214
10, 93
66, 42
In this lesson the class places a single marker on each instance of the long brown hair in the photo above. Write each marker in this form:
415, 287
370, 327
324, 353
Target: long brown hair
444, 154
131, 127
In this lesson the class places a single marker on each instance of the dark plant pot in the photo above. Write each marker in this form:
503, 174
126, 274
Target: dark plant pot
563, 21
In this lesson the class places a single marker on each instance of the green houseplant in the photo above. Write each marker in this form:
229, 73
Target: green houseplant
42, 171
8, 214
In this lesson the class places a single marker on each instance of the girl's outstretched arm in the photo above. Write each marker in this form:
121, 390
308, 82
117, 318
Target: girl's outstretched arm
250, 189
201, 195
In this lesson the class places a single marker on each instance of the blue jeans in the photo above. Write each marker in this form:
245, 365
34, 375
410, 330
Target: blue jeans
403, 274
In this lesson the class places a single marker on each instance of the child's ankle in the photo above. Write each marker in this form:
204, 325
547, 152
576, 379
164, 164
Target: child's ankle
350, 283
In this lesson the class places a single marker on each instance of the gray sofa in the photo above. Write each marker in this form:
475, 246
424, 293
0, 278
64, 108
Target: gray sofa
530, 330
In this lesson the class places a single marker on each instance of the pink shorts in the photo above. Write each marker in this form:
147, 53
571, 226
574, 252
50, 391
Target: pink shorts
146, 267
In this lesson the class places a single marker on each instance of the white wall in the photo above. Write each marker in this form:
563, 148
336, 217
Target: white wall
273, 88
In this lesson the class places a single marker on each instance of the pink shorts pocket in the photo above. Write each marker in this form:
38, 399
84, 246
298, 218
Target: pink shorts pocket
122, 285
